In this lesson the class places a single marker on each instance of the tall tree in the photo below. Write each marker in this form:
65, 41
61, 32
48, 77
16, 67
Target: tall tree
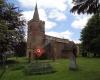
86, 6
11, 26
90, 35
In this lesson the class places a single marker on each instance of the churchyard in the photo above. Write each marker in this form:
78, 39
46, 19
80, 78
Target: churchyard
89, 69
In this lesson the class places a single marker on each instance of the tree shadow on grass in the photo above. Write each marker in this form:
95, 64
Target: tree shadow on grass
8, 62
12, 65
2, 73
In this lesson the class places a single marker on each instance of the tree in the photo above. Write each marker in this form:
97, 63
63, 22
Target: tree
11, 26
20, 49
90, 36
86, 6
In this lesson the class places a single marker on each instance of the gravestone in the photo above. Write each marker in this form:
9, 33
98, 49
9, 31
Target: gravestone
72, 53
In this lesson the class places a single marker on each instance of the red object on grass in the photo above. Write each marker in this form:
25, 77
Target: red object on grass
39, 52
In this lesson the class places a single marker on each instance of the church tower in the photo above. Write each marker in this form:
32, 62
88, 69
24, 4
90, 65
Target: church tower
36, 33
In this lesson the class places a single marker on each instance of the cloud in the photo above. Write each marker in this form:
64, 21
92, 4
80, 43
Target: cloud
52, 12
27, 3
27, 15
57, 15
48, 24
47, 4
77, 41
66, 34
80, 21
70, 4
56, 10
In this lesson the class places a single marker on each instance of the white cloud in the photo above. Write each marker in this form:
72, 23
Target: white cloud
27, 15
48, 24
77, 41
56, 9
70, 3
57, 15
80, 21
47, 4
27, 3
52, 10
42, 14
66, 34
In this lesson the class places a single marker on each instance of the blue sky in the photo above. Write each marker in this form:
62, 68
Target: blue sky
59, 22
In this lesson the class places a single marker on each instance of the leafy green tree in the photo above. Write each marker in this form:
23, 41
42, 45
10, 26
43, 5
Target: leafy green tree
11, 26
90, 36
86, 6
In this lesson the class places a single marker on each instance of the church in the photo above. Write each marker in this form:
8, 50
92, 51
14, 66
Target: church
54, 48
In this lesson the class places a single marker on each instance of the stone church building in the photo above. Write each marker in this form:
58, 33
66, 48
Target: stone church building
54, 47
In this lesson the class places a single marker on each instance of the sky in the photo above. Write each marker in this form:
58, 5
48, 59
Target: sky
59, 21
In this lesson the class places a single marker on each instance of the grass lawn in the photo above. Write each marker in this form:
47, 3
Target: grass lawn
89, 69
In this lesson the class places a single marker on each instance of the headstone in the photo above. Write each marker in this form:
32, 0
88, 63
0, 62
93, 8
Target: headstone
72, 57
73, 65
